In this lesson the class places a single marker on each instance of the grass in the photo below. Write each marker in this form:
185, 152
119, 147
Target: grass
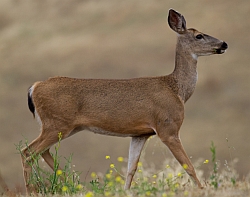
60, 181
169, 182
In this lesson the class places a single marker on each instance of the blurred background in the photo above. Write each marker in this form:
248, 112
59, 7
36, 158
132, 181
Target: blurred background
124, 39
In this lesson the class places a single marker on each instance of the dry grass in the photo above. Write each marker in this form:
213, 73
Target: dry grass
113, 39
149, 182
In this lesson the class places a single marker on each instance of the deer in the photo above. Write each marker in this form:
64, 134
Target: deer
137, 108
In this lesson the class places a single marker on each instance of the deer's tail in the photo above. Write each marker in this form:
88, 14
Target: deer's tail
30, 101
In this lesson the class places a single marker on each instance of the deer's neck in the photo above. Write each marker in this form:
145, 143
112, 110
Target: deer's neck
185, 73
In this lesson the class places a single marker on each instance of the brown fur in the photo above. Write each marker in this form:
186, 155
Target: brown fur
137, 108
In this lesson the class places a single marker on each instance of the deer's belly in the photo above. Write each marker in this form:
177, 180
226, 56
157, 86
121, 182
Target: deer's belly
104, 132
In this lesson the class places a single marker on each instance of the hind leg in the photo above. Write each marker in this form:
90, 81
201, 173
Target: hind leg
41, 146
27, 156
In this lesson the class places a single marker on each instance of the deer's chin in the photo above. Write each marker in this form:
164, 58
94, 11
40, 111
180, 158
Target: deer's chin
219, 51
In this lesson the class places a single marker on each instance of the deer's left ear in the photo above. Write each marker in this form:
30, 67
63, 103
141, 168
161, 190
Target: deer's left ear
176, 21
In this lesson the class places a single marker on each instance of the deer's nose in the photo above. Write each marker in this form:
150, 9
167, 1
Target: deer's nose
224, 46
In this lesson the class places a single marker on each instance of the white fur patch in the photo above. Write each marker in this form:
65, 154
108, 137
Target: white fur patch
194, 56
36, 114
31, 90
104, 132
38, 119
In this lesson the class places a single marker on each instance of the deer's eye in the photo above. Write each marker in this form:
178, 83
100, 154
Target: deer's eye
199, 36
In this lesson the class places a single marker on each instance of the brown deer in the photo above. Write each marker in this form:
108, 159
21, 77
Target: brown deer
137, 108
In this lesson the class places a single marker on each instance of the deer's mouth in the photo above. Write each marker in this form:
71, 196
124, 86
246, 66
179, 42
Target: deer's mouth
219, 51
222, 49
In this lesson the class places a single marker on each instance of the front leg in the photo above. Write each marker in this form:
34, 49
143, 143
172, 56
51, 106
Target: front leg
174, 144
135, 149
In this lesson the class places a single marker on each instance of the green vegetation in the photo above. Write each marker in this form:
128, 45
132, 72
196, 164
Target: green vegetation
170, 181
60, 181
214, 176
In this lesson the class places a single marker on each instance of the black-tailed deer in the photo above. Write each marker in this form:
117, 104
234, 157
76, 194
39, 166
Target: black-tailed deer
137, 108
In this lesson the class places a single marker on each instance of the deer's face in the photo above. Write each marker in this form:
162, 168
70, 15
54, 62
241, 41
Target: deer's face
193, 41
201, 44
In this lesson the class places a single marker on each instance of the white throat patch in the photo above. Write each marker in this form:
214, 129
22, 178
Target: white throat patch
194, 56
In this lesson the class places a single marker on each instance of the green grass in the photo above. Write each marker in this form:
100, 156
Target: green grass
60, 181
170, 181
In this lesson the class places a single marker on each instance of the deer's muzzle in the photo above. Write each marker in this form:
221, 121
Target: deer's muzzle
222, 49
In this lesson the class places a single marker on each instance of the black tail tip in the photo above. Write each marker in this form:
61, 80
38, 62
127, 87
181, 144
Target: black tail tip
31, 104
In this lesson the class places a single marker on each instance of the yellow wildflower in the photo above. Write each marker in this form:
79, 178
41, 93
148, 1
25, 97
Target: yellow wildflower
170, 175
65, 188
111, 171
108, 176
206, 161
154, 176
185, 166
140, 170
120, 159
107, 193
167, 166
59, 172
60, 135
93, 175
110, 184
139, 164
112, 165
148, 193
89, 194
107, 157
79, 187
179, 174
118, 179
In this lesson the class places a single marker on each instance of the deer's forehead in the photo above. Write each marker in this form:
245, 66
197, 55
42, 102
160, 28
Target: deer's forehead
194, 31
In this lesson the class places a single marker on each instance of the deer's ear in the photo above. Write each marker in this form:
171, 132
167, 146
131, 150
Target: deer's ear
176, 21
